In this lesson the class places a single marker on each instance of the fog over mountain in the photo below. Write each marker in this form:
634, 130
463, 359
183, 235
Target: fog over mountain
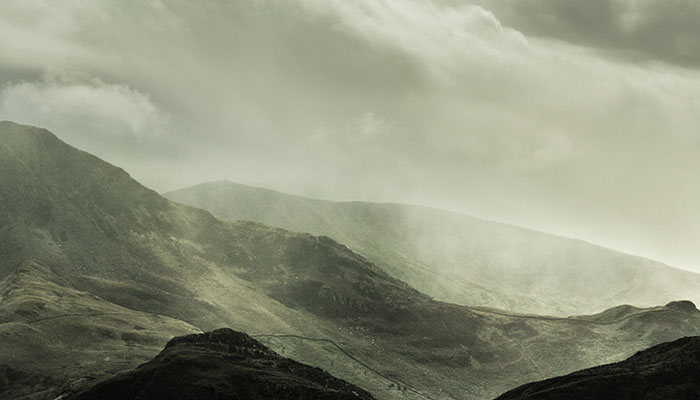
575, 118
460, 259
98, 271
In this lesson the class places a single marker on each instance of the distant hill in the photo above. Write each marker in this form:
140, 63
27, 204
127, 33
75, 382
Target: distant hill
222, 364
460, 259
108, 243
663, 372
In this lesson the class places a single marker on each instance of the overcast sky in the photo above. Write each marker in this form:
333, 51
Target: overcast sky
580, 118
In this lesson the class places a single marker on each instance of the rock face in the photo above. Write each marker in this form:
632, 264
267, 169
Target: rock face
665, 371
222, 364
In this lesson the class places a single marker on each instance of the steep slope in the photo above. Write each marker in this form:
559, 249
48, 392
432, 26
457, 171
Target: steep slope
460, 259
306, 296
54, 337
665, 371
222, 364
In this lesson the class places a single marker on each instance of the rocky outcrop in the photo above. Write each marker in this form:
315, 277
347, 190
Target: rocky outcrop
223, 364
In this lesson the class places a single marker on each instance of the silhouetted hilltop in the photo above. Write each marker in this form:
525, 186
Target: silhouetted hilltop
664, 372
223, 364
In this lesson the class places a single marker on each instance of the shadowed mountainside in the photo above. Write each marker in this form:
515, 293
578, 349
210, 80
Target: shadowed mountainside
106, 235
460, 259
665, 371
222, 364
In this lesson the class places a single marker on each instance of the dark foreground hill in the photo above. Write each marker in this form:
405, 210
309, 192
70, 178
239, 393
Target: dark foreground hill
663, 372
460, 259
110, 243
222, 364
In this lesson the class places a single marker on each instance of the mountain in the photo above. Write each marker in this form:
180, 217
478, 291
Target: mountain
460, 259
665, 371
222, 364
103, 236
55, 338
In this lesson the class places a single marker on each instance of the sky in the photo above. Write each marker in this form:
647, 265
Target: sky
578, 118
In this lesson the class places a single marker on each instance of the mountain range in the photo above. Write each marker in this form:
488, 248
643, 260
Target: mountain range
460, 259
99, 272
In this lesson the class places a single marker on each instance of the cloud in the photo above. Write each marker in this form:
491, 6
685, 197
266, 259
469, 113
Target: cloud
647, 29
362, 129
437, 36
559, 148
67, 102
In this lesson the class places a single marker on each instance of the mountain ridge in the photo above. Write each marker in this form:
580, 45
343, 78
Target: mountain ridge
282, 193
462, 259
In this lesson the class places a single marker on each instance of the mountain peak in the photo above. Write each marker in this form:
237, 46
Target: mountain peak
200, 366
683, 305
218, 339
19, 136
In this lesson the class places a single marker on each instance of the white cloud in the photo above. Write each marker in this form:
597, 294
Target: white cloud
67, 102
362, 129
557, 149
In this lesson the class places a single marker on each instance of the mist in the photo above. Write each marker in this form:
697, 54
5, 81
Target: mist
582, 127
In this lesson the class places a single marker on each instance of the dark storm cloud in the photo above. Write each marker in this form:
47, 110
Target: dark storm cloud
648, 29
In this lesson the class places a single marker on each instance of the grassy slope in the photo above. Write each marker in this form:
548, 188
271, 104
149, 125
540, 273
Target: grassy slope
106, 234
460, 259
54, 337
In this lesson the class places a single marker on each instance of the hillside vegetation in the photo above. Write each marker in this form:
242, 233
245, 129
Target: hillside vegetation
118, 245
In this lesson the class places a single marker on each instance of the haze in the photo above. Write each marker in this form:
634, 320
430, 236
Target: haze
575, 118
